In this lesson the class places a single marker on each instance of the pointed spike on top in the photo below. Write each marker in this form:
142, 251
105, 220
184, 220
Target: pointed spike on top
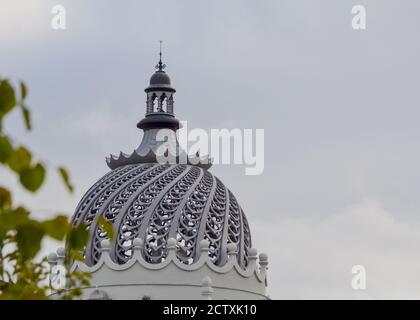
160, 50
160, 66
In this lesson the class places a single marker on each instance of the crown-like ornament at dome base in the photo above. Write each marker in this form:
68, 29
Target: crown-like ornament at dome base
147, 153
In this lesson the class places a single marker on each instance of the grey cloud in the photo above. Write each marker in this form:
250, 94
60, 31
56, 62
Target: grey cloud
339, 109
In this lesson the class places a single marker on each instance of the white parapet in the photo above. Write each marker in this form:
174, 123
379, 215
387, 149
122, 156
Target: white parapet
171, 279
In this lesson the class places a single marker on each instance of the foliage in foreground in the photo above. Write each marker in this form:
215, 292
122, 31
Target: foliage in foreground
21, 275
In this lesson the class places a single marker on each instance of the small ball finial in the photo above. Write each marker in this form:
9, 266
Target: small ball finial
137, 243
204, 245
98, 295
61, 252
171, 243
206, 282
231, 248
105, 245
207, 291
52, 258
263, 257
252, 252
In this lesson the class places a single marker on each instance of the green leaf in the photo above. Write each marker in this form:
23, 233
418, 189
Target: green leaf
26, 117
5, 198
23, 90
33, 177
21, 215
19, 159
65, 176
7, 98
12, 219
106, 226
56, 228
6, 148
76, 255
28, 238
78, 237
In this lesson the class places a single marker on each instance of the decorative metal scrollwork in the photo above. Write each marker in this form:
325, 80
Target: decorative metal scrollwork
155, 202
189, 222
161, 219
112, 207
131, 221
234, 224
97, 194
215, 223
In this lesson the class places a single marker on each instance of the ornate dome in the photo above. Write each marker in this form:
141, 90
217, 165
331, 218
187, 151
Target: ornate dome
156, 202
178, 232
160, 80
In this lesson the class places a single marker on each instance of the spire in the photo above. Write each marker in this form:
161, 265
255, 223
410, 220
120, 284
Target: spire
160, 93
159, 115
160, 66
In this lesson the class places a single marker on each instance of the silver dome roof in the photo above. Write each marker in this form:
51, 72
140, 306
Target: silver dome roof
155, 202
160, 77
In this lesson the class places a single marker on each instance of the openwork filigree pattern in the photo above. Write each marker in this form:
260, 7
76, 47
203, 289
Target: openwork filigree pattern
189, 222
131, 222
96, 192
156, 202
234, 224
160, 222
114, 203
247, 238
215, 223
90, 212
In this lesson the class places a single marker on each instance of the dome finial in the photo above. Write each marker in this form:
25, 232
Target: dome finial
160, 66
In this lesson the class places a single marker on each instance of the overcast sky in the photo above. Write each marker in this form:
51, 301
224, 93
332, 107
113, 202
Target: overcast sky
340, 109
